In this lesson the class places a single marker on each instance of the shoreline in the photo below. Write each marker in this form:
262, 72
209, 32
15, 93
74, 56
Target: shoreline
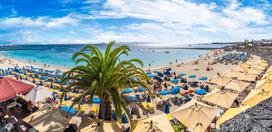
12, 62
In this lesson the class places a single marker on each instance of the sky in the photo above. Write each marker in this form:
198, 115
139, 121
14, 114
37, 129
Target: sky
152, 21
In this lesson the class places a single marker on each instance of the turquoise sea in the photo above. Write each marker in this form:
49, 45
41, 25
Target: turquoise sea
60, 55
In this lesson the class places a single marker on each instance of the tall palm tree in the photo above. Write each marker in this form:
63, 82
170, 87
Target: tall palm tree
105, 75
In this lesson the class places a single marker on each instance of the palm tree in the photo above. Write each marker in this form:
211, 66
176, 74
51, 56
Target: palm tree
104, 75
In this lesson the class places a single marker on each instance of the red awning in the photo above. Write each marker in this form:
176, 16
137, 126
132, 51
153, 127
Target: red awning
9, 88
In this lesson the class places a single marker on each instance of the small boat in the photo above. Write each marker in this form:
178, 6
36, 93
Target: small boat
167, 52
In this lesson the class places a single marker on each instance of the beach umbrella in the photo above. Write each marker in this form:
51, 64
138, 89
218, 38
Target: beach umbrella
245, 65
192, 76
175, 90
58, 81
262, 63
124, 119
247, 77
200, 91
157, 123
174, 80
253, 70
96, 100
44, 78
265, 84
130, 98
166, 109
167, 73
38, 94
66, 109
260, 67
141, 89
46, 120
221, 97
239, 69
203, 78
256, 96
220, 80
150, 75
237, 85
232, 74
148, 99
194, 112
164, 92
158, 78
128, 90
229, 114
148, 72
182, 74
267, 75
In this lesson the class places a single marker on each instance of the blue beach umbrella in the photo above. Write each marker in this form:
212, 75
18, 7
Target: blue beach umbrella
128, 90
175, 90
130, 98
66, 109
164, 92
174, 80
166, 109
203, 78
148, 72
167, 73
192, 76
141, 89
151, 75
148, 99
58, 81
124, 119
52, 75
182, 74
158, 78
200, 91
44, 78
96, 100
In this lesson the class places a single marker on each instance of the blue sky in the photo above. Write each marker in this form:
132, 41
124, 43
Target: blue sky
156, 21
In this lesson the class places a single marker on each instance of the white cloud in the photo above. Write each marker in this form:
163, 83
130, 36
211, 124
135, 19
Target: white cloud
199, 22
44, 21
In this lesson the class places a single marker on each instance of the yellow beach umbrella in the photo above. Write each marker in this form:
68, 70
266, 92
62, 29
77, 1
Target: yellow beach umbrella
220, 80
232, 73
262, 63
194, 112
265, 84
245, 65
157, 123
221, 97
198, 128
266, 75
256, 96
45, 120
240, 69
260, 67
247, 77
237, 85
230, 113
253, 70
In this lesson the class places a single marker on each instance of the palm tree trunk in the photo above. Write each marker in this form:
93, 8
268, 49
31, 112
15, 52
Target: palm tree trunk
105, 108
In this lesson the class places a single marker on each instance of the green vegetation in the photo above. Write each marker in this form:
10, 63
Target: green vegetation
104, 75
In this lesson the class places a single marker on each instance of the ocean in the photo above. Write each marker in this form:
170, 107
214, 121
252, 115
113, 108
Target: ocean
60, 55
